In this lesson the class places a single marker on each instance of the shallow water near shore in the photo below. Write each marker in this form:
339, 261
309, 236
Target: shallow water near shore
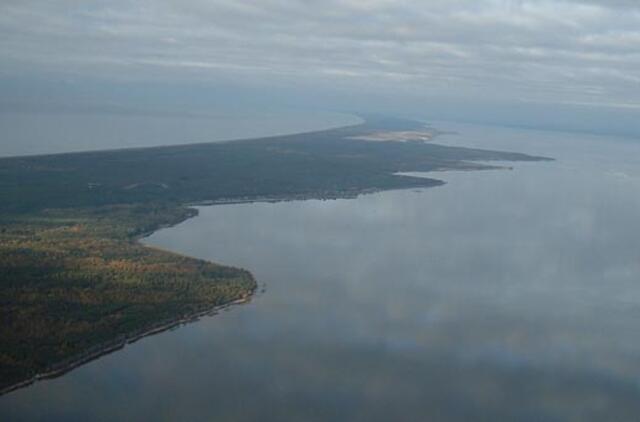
502, 295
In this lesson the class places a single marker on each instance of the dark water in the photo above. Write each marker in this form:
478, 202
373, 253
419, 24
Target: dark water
503, 295
28, 133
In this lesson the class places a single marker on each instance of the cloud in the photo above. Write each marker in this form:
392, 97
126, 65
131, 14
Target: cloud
567, 51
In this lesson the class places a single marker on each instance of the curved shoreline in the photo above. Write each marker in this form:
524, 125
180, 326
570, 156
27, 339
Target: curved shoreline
376, 175
118, 344
61, 368
121, 341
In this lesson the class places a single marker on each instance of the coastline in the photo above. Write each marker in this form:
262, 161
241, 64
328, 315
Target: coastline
118, 344
90, 196
61, 368
272, 199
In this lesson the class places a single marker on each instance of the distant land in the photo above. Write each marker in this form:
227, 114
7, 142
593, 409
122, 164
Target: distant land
75, 283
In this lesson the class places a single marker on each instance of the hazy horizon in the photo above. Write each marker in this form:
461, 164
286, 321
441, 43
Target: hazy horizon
566, 65
51, 132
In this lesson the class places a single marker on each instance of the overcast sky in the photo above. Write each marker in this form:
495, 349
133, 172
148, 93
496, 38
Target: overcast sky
343, 54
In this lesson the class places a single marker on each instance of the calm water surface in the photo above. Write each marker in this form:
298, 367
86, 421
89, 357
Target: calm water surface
502, 295
29, 133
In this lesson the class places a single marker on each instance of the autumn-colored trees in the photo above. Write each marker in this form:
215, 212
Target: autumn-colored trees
74, 280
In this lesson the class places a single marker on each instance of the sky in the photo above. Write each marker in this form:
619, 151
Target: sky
568, 64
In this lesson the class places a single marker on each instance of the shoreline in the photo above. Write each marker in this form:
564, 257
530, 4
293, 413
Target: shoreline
96, 352
122, 341
187, 207
272, 199
119, 343
111, 347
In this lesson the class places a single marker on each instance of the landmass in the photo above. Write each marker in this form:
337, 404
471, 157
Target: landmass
75, 282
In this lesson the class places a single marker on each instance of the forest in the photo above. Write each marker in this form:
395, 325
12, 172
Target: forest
74, 282
316, 164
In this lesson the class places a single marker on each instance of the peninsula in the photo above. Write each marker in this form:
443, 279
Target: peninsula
74, 280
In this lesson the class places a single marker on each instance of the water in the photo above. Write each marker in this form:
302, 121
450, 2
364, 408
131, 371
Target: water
502, 295
29, 133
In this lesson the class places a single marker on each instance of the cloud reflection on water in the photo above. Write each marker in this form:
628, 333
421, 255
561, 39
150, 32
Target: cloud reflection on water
503, 295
